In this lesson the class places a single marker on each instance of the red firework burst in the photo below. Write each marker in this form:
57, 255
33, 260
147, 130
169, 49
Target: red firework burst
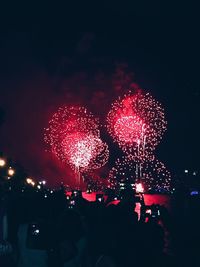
136, 122
73, 136
152, 174
85, 151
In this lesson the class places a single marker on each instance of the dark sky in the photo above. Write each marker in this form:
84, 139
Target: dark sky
45, 61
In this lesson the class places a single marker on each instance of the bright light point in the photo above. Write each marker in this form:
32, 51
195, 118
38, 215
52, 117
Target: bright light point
186, 171
44, 182
194, 173
39, 187
11, 172
148, 211
139, 188
29, 180
2, 162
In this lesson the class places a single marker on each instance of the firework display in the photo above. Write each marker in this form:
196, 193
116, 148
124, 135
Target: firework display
151, 174
85, 151
74, 138
136, 122
68, 121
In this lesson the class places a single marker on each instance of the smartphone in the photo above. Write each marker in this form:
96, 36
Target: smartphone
148, 211
72, 202
99, 198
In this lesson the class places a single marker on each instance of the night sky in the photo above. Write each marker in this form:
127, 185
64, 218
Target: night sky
46, 62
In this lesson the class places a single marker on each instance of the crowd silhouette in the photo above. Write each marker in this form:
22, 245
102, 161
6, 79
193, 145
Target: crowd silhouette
48, 230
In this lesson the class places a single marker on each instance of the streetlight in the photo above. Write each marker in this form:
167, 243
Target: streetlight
2, 162
30, 181
11, 171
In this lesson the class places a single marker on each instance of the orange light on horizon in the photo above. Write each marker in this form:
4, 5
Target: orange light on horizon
11, 171
30, 181
2, 162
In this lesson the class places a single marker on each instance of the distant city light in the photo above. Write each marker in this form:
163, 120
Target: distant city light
30, 181
186, 171
39, 187
2, 162
194, 193
194, 173
11, 172
42, 182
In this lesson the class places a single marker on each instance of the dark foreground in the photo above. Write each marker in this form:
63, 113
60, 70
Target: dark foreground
65, 232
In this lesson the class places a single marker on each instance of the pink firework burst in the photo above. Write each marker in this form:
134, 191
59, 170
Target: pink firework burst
74, 138
136, 122
66, 122
152, 174
85, 151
